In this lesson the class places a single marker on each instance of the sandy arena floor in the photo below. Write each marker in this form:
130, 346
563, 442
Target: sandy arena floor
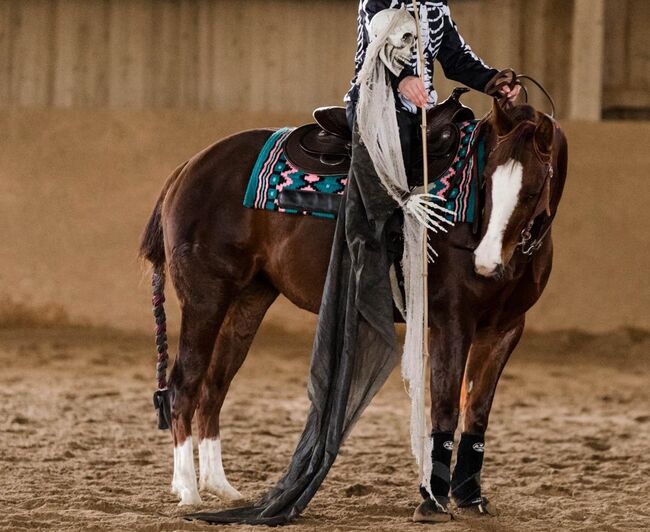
567, 449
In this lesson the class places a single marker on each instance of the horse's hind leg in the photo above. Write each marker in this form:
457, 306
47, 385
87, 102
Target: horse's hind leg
201, 320
489, 354
233, 342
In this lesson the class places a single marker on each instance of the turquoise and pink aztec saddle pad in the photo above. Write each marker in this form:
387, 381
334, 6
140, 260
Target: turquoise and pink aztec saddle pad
276, 185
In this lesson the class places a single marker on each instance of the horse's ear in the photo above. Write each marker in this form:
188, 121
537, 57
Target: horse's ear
545, 133
502, 123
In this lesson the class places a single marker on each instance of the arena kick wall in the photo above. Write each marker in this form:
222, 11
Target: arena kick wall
75, 195
294, 55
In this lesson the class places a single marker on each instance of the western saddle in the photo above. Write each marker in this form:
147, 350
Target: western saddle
324, 147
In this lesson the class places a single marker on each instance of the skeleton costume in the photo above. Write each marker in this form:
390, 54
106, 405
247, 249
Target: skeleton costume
355, 348
442, 42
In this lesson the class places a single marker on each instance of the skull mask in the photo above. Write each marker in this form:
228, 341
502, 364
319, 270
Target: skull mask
398, 30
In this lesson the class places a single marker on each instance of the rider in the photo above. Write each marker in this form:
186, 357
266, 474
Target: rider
441, 41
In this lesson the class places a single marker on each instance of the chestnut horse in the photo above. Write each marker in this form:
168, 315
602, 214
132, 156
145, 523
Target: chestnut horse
228, 264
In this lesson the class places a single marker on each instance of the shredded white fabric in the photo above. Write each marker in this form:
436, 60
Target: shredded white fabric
379, 133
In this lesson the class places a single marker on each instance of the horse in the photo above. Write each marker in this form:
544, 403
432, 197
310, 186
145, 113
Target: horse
228, 264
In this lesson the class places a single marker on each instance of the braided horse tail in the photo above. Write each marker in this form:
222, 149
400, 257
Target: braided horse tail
152, 249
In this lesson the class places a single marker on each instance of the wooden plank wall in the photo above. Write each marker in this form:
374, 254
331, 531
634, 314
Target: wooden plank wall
627, 63
279, 55
531, 36
198, 54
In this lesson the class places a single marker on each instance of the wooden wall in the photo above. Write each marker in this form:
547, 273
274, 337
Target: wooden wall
531, 36
200, 54
627, 60
277, 55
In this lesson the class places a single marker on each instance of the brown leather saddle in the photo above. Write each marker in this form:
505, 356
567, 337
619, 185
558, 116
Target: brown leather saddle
324, 147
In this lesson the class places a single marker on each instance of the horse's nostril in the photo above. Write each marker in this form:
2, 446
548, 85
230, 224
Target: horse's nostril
494, 270
483, 270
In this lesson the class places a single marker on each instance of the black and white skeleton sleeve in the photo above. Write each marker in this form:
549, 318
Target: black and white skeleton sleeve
441, 41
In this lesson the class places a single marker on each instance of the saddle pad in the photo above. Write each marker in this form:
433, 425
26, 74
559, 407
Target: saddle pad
276, 185
458, 186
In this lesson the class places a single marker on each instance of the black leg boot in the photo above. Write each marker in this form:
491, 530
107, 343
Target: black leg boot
435, 509
466, 482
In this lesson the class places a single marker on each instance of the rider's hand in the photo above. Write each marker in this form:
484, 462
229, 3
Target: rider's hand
510, 93
413, 88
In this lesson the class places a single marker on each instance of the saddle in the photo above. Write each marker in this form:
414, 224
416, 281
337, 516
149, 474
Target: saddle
443, 134
325, 147
322, 148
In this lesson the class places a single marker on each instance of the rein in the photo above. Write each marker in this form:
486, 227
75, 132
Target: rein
510, 78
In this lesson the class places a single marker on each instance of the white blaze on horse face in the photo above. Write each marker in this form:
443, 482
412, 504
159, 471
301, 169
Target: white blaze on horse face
212, 477
184, 480
506, 184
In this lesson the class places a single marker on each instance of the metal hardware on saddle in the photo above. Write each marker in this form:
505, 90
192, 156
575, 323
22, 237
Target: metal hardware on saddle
162, 405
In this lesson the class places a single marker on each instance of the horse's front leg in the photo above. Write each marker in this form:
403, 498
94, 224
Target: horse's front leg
488, 356
449, 345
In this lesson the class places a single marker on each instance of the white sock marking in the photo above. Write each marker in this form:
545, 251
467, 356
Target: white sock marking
184, 479
212, 475
506, 184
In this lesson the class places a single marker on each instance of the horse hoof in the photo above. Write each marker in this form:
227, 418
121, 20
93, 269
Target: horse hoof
189, 499
479, 509
430, 511
225, 492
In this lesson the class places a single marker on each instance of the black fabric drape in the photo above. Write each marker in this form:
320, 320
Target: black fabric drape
354, 350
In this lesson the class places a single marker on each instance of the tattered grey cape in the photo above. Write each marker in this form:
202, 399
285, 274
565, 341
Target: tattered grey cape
354, 351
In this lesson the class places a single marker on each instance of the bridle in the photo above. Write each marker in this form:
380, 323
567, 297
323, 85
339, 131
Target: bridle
527, 243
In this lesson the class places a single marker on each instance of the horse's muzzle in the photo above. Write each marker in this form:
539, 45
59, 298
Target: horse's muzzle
495, 271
